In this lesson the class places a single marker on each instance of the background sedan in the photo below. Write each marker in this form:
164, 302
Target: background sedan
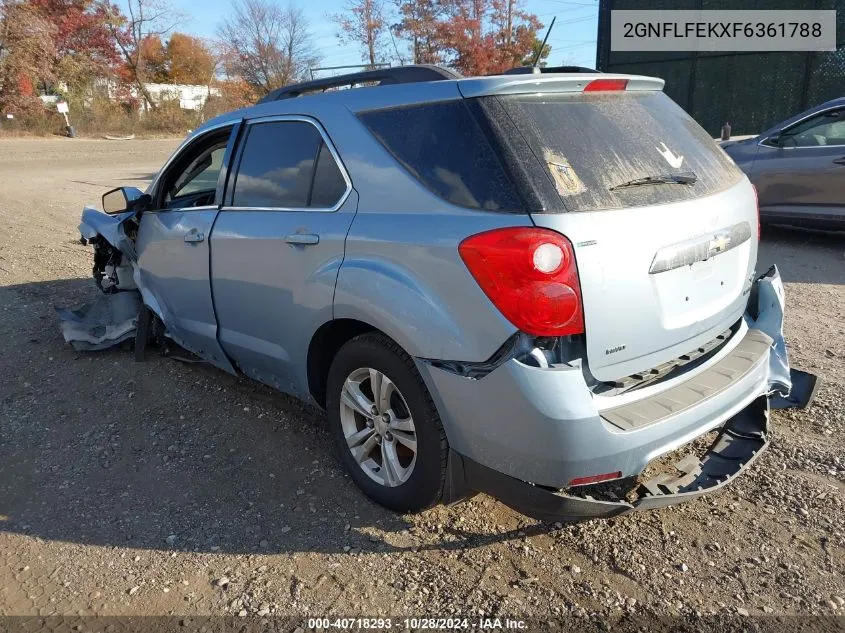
798, 167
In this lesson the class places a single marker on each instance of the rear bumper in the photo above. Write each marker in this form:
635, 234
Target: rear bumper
543, 425
523, 433
742, 439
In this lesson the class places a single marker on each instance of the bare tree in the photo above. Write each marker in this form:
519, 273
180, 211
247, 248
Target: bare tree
267, 45
145, 20
364, 24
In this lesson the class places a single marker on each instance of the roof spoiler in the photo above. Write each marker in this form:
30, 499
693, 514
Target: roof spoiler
554, 83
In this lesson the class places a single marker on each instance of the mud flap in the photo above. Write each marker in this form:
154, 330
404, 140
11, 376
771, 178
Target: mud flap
741, 441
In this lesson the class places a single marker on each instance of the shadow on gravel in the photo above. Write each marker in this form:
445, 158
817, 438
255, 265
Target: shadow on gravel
97, 449
802, 255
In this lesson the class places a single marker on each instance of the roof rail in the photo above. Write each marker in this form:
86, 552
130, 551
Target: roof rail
381, 76
536, 70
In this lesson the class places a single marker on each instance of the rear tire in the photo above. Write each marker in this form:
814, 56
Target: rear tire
385, 426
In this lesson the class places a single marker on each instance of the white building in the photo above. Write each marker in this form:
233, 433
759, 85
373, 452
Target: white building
190, 97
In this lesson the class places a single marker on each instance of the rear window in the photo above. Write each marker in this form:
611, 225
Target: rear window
586, 144
443, 146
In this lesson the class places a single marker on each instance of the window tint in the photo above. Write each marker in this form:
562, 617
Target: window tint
329, 184
277, 165
443, 147
824, 129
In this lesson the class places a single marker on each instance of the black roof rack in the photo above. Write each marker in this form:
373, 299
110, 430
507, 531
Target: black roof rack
536, 70
381, 76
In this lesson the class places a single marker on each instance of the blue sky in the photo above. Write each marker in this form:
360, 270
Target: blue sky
573, 39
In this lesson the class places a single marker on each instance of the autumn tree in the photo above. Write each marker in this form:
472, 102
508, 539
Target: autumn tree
84, 47
544, 50
477, 37
363, 23
418, 24
27, 51
190, 60
153, 60
266, 45
514, 33
484, 37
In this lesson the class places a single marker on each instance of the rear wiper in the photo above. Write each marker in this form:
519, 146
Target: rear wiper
686, 178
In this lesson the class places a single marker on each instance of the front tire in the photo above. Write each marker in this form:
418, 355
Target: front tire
385, 425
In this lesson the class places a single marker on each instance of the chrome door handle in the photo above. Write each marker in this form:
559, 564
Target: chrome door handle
194, 236
302, 239
839, 161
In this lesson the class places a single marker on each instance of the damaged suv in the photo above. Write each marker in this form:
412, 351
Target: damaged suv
523, 284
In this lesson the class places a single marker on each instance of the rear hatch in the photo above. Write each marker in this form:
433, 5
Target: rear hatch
664, 267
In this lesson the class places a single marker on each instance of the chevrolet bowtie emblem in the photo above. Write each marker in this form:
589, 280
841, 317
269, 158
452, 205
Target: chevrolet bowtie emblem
718, 244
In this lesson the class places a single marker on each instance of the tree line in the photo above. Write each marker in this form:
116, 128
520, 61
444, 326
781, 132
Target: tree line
77, 47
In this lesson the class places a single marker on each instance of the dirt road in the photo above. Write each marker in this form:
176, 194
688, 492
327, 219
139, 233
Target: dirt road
134, 488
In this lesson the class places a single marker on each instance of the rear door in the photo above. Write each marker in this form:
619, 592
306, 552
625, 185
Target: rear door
172, 242
806, 170
277, 246
663, 267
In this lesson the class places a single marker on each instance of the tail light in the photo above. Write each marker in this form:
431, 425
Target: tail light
530, 275
757, 204
601, 85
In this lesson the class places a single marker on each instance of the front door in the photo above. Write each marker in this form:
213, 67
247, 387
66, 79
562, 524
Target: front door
806, 171
173, 239
277, 246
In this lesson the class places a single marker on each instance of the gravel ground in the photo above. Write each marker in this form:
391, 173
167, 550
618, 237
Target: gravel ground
161, 488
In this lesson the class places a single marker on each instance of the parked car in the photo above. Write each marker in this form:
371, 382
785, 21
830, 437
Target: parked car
523, 285
798, 167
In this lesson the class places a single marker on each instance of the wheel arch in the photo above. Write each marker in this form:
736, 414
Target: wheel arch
324, 346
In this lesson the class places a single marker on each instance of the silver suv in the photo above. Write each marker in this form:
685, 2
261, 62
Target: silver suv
526, 284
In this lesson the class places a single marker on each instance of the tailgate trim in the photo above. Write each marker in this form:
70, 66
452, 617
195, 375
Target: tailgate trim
748, 354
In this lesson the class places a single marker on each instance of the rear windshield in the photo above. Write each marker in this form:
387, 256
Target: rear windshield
587, 145
554, 152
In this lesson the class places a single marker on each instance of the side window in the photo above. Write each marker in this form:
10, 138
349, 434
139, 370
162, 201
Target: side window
820, 130
444, 148
192, 179
329, 184
285, 164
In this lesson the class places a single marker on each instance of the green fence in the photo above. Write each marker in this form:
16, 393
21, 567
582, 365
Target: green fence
752, 91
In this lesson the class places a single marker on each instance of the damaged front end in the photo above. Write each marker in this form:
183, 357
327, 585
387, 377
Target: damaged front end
710, 463
112, 317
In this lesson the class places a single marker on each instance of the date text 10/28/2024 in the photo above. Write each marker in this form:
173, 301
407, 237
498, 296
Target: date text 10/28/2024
415, 624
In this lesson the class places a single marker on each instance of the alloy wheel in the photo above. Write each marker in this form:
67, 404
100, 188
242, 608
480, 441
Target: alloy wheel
378, 427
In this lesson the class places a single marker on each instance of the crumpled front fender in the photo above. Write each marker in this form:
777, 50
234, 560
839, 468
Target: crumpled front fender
110, 228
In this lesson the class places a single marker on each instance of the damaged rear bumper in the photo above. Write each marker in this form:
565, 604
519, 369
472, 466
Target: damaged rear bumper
741, 440
535, 432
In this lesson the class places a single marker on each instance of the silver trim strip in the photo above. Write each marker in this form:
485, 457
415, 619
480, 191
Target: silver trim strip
332, 150
699, 249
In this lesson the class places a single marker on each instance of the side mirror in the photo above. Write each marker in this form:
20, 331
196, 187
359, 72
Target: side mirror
124, 199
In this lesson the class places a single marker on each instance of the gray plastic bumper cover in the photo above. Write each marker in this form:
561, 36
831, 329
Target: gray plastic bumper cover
741, 440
